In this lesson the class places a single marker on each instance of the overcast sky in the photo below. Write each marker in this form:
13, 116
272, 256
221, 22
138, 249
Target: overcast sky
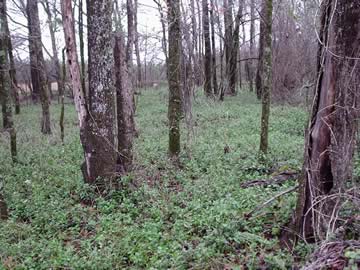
148, 23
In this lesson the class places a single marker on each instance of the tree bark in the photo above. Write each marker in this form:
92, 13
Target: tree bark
333, 124
125, 107
5, 86
82, 47
207, 59
137, 49
266, 75
14, 84
174, 109
52, 29
39, 77
100, 141
213, 48
131, 34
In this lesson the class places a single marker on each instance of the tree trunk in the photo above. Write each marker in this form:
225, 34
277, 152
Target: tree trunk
260, 67
174, 109
81, 43
5, 87
207, 59
14, 84
52, 29
252, 42
213, 48
125, 107
100, 141
266, 75
333, 123
228, 24
62, 96
137, 49
131, 34
37, 62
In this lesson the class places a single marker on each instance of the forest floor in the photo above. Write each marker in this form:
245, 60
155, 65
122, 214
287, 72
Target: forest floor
163, 218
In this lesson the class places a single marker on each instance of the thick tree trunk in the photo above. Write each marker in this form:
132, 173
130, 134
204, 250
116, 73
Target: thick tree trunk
266, 76
207, 59
38, 64
5, 86
174, 109
228, 24
333, 124
100, 150
125, 107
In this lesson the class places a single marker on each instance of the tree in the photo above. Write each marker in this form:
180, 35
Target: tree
131, 33
38, 71
96, 118
52, 23
174, 109
207, 59
5, 79
82, 46
332, 128
136, 43
266, 73
213, 48
14, 84
125, 106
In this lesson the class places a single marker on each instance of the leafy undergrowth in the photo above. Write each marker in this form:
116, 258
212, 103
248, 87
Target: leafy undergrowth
192, 218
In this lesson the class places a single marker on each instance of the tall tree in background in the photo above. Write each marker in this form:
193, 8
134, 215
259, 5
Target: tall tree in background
266, 73
38, 71
51, 14
207, 59
213, 48
136, 43
333, 124
252, 45
174, 110
131, 33
5, 79
14, 84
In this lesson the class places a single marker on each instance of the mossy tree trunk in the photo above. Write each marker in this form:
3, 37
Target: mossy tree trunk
174, 108
5, 79
39, 79
266, 76
332, 128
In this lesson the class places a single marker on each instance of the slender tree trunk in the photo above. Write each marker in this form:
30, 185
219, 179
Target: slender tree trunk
213, 48
82, 46
333, 125
131, 34
14, 84
266, 76
137, 49
207, 59
38, 59
252, 42
61, 95
5, 91
194, 33
125, 107
55, 57
174, 112
260, 67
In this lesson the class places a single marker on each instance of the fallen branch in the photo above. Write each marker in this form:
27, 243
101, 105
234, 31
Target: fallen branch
275, 180
261, 206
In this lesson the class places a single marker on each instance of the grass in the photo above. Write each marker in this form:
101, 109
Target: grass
191, 218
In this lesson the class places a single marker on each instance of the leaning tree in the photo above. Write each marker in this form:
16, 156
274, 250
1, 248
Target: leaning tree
332, 128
